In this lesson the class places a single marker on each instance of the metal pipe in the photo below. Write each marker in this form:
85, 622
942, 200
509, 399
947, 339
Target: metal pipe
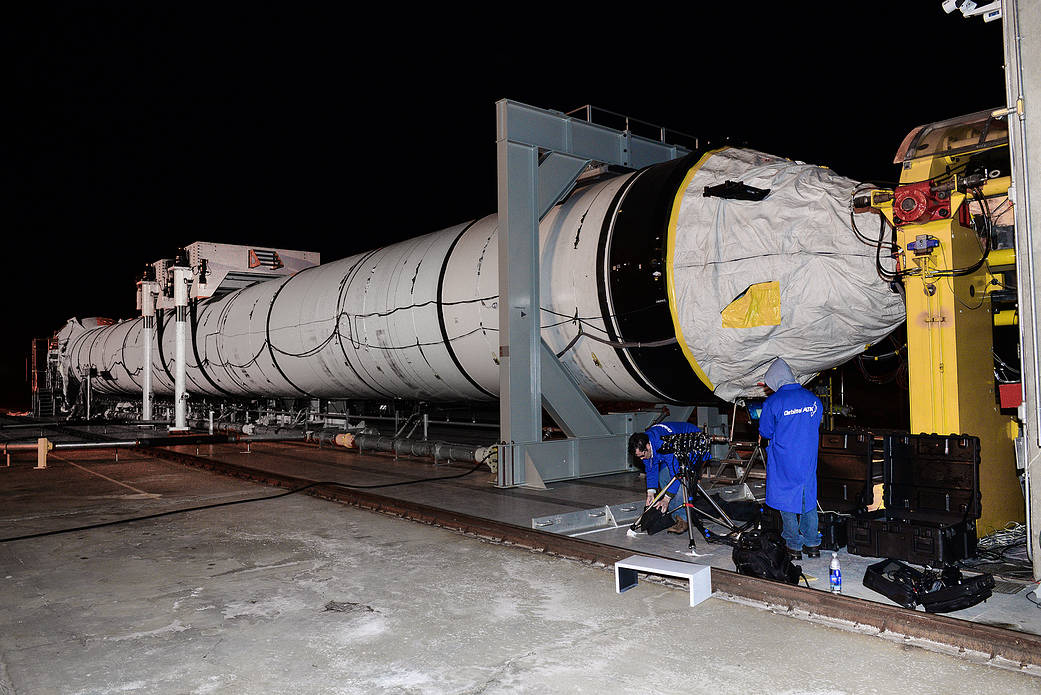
454, 423
401, 446
160, 441
96, 445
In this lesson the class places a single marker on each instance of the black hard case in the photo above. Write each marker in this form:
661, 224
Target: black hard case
921, 543
844, 471
933, 478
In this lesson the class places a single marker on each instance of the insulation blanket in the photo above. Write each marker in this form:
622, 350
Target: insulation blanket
785, 276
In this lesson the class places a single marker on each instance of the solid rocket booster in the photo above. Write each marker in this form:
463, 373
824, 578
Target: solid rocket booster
655, 286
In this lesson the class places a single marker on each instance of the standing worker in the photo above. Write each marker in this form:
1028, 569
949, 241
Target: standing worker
791, 420
661, 468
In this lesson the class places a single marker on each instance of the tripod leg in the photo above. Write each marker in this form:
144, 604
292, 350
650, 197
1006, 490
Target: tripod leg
730, 522
691, 518
694, 517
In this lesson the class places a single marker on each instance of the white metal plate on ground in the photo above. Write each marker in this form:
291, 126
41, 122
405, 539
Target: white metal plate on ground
589, 520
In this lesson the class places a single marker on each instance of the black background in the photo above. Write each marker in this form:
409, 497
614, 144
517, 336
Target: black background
141, 129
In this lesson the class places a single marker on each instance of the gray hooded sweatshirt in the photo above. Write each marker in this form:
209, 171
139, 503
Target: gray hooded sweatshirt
778, 375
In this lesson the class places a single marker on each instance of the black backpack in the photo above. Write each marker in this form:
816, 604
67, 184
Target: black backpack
762, 553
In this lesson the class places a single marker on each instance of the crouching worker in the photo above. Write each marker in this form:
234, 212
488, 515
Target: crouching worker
791, 420
661, 468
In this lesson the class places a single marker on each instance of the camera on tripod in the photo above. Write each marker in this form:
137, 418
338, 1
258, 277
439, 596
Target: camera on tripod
692, 446
690, 449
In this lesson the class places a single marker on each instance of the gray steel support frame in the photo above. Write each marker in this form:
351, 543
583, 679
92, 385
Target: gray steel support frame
1022, 37
540, 155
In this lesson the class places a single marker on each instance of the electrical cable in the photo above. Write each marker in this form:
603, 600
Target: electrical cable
886, 275
1002, 553
617, 343
171, 512
984, 248
1004, 364
939, 179
897, 372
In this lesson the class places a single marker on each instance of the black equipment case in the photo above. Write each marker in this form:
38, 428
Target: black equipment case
921, 542
844, 472
844, 482
932, 478
938, 592
932, 501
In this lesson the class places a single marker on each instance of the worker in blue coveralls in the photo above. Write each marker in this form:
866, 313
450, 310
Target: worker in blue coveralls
791, 420
661, 468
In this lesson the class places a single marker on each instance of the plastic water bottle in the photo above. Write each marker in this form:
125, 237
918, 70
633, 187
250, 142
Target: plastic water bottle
836, 574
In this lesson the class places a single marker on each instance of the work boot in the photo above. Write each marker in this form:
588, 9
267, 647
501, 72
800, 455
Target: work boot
679, 527
812, 550
795, 554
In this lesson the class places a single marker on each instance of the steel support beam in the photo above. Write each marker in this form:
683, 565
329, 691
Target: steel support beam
540, 155
1022, 37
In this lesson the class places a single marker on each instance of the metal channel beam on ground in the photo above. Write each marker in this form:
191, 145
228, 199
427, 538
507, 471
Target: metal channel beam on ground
1022, 37
540, 155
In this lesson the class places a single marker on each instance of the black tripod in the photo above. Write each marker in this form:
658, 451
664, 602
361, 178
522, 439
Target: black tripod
690, 449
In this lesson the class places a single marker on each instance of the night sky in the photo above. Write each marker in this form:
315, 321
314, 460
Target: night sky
141, 129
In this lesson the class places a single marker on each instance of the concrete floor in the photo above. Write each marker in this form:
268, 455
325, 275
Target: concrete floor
476, 495
295, 594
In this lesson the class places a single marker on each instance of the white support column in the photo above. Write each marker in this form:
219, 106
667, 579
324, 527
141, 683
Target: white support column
182, 277
147, 289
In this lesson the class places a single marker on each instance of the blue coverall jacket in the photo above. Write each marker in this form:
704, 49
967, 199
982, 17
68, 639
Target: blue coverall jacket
791, 420
654, 463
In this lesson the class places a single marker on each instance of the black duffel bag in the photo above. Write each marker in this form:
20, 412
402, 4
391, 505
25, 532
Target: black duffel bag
762, 553
653, 520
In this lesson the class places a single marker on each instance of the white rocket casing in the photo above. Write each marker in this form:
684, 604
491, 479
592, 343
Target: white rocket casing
638, 257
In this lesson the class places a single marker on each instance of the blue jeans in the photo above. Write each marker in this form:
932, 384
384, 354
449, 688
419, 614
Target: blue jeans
801, 529
676, 504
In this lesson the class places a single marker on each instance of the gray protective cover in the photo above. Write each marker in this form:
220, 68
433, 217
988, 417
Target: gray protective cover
833, 302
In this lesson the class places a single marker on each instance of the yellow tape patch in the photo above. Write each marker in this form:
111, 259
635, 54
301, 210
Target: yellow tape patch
758, 305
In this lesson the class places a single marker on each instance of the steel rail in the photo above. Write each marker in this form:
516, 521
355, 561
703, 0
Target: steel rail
1019, 648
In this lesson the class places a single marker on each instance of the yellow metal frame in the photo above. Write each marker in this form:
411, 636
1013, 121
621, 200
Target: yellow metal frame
950, 343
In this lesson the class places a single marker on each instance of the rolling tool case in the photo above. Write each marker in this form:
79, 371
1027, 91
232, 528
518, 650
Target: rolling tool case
844, 482
932, 501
